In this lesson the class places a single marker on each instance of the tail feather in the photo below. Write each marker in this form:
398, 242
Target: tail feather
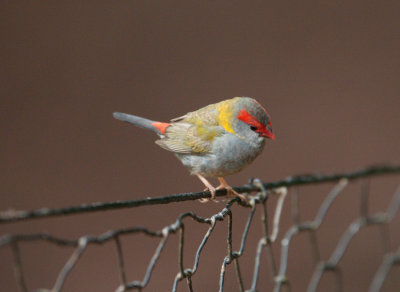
154, 126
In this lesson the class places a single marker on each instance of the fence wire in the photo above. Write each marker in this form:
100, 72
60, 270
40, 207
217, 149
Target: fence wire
258, 199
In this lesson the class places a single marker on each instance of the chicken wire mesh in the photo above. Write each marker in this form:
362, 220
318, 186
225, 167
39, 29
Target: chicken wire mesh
259, 193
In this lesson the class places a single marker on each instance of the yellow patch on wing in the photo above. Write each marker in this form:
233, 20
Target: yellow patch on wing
225, 115
207, 133
200, 137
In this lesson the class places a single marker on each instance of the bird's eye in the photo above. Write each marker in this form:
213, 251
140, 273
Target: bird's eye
253, 128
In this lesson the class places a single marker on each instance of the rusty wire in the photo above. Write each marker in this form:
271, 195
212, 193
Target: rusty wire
268, 238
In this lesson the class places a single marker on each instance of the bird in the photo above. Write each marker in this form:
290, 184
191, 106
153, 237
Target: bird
217, 140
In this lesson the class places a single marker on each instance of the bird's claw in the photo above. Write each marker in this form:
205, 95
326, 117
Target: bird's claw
223, 185
213, 196
232, 193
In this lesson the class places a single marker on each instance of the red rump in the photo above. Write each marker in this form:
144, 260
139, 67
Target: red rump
161, 126
261, 129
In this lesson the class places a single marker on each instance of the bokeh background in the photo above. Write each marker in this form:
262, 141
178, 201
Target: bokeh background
327, 72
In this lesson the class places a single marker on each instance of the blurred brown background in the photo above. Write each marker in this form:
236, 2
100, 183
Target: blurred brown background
328, 74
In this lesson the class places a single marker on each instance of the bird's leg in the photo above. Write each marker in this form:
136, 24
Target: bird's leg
209, 187
232, 193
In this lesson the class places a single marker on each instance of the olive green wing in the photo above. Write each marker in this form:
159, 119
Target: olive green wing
189, 139
193, 132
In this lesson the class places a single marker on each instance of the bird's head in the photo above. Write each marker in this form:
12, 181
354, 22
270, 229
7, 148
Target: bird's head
245, 117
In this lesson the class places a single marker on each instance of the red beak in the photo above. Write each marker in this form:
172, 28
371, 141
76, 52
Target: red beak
267, 133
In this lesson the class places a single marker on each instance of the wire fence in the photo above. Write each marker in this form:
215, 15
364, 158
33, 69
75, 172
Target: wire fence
258, 194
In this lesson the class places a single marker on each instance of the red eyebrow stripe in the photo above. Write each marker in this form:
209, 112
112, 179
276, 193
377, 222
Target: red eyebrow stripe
262, 130
249, 119
161, 126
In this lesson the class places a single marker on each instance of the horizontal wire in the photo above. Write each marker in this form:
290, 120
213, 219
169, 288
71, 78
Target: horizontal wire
19, 215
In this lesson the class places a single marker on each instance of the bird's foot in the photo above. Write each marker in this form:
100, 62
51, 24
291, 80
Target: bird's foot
213, 191
231, 192
210, 188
